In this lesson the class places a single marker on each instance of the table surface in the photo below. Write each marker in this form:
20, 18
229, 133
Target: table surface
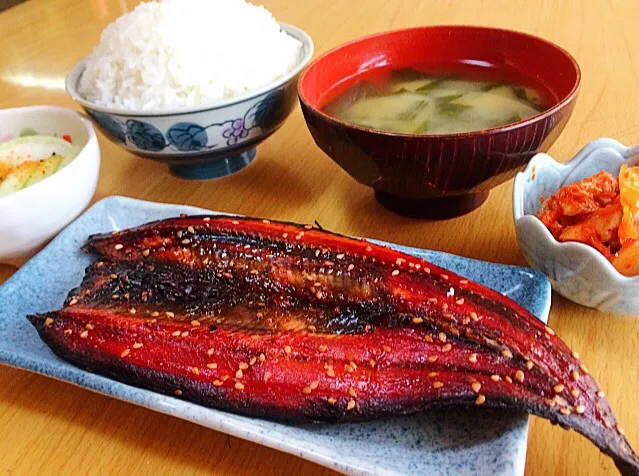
52, 427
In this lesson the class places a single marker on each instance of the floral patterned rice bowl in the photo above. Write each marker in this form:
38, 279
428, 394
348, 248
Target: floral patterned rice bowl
201, 142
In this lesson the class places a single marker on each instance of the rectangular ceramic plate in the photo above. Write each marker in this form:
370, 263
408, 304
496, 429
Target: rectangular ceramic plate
439, 442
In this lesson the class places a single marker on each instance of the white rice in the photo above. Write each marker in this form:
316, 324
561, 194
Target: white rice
177, 53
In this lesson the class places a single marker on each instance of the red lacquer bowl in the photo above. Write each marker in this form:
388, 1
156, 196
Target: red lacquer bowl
439, 176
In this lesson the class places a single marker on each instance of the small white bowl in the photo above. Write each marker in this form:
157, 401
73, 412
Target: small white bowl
576, 271
30, 217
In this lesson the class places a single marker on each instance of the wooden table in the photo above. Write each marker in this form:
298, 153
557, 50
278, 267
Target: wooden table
49, 427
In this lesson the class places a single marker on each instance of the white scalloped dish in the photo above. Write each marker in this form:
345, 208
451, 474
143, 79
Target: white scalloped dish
576, 271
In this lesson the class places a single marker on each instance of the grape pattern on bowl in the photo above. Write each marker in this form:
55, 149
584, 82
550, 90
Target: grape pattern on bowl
184, 136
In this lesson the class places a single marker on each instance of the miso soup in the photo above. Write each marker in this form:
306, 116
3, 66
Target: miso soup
410, 102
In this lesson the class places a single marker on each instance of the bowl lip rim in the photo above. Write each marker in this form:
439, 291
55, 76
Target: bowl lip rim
92, 139
308, 46
567, 246
461, 135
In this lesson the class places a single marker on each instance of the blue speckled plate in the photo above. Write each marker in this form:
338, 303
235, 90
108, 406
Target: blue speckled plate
455, 442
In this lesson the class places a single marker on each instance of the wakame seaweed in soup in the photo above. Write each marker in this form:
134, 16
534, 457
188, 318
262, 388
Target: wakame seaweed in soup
410, 102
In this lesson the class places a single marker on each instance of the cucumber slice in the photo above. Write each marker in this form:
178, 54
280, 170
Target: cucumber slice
30, 159
28, 148
5, 170
16, 179
11, 184
66, 160
44, 169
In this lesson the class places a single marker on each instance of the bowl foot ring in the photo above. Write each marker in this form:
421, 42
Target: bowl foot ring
219, 168
438, 208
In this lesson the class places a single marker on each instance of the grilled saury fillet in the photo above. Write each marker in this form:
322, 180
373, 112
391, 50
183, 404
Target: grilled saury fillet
289, 322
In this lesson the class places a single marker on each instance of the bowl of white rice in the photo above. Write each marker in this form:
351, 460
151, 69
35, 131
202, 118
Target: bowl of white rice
196, 84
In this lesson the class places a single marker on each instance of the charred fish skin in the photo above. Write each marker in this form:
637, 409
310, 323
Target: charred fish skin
290, 322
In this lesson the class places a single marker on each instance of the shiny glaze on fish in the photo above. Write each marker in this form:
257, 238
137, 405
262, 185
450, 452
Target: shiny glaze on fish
288, 322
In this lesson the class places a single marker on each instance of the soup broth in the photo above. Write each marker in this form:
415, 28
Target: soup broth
410, 102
